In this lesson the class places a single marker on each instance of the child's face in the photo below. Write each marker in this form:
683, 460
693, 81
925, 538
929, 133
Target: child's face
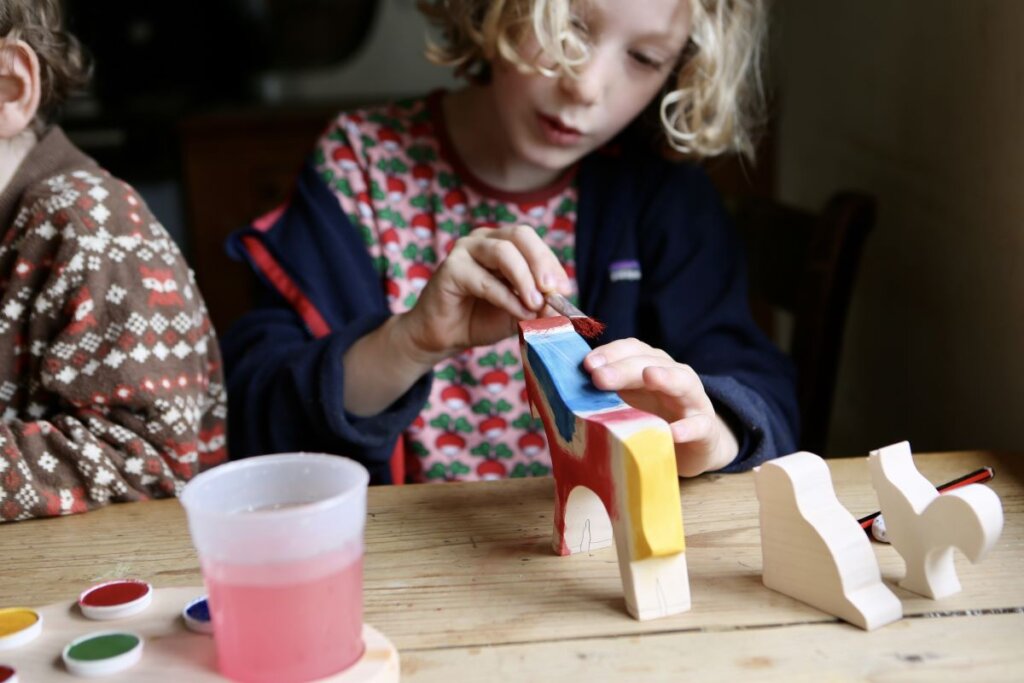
553, 122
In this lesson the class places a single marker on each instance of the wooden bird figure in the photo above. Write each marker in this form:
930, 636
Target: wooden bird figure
924, 526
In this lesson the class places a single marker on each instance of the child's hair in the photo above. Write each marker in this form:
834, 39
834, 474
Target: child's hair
714, 98
63, 64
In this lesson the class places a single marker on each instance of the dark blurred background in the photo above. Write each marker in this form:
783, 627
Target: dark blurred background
161, 67
209, 106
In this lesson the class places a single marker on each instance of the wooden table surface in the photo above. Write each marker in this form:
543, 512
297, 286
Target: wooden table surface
462, 579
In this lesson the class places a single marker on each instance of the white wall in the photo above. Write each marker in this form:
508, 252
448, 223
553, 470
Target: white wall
390, 63
920, 102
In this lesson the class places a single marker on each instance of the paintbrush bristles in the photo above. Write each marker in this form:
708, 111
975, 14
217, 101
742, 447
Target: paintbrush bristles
587, 327
582, 323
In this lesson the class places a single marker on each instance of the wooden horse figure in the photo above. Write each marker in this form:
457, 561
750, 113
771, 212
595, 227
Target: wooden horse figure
605, 454
924, 526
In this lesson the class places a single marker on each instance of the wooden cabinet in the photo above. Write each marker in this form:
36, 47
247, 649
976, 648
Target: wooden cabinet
236, 166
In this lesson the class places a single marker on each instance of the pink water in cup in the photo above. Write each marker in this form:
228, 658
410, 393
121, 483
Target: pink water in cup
280, 542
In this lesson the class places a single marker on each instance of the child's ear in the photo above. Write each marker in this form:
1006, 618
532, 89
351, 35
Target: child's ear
19, 87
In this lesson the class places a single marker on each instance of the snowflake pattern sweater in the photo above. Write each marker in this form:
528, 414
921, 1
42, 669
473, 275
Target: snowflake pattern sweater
111, 383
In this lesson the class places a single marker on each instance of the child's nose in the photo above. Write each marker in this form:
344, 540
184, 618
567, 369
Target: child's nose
586, 85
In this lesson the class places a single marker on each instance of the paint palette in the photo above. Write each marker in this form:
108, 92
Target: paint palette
103, 653
197, 616
18, 626
115, 599
165, 648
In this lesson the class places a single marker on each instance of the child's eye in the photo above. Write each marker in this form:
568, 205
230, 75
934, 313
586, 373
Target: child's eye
645, 61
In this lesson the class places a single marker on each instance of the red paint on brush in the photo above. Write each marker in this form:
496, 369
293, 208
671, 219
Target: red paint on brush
587, 327
114, 593
584, 325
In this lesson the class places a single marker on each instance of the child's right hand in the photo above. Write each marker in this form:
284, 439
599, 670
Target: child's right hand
492, 278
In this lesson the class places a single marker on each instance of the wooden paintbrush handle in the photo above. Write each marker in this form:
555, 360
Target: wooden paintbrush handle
563, 305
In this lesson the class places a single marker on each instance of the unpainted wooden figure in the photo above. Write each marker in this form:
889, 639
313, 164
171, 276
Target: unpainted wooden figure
925, 526
812, 547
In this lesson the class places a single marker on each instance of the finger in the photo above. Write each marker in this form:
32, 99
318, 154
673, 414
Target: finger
472, 278
696, 427
676, 379
679, 387
504, 258
627, 373
549, 274
619, 349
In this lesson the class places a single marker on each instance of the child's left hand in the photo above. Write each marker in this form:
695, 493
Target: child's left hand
649, 379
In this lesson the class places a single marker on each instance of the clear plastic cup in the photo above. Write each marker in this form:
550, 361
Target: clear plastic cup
280, 543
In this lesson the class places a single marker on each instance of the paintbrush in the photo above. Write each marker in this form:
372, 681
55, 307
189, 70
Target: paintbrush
582, 323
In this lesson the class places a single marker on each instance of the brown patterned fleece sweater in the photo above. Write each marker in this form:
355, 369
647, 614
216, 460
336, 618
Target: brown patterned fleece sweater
111, 385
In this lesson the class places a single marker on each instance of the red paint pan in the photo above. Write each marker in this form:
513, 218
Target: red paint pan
115, 599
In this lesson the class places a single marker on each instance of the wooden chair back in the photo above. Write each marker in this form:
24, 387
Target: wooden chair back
806, 264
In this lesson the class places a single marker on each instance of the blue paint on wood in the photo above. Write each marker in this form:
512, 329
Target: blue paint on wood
556, 359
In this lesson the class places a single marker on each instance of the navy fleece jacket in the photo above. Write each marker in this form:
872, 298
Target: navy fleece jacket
684, 291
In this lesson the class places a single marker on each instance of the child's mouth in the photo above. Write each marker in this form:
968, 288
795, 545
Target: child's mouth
558, 132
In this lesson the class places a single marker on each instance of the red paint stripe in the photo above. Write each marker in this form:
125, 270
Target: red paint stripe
273, 271
114, 593
591, 469
6, 673
540, 325
623, 414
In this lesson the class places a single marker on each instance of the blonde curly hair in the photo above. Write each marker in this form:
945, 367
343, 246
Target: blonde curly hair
713, 102
64, 66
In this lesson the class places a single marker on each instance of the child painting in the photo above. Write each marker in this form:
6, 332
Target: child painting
420, 231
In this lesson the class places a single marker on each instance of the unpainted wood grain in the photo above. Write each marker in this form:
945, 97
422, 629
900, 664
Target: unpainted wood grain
470, 565
966, 648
